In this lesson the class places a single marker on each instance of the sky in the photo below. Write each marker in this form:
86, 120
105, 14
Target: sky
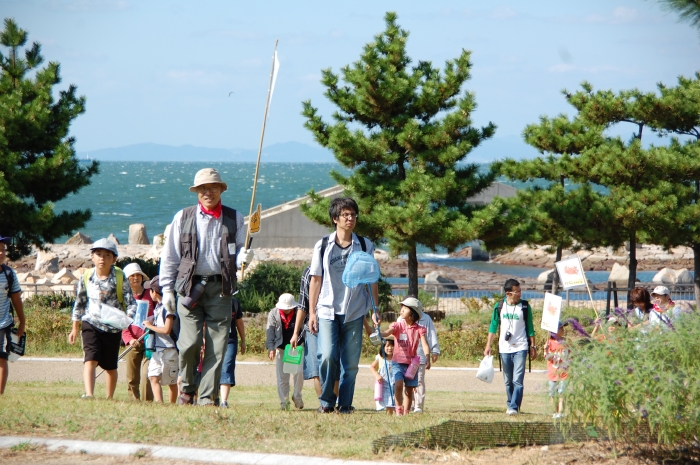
156, 71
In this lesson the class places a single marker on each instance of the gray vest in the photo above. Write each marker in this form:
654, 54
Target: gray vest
189, 251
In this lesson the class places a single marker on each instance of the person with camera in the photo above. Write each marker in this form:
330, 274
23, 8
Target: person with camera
199, 260
516, 340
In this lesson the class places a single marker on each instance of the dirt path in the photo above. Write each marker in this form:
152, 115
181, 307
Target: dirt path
255, 373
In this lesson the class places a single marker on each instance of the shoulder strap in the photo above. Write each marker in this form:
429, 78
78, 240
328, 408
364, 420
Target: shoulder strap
363, 244
86, 278
324, 244
120, 286
10, 278
499, 307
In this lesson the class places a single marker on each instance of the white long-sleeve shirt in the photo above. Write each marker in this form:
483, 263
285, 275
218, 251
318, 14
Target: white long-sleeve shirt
209, 230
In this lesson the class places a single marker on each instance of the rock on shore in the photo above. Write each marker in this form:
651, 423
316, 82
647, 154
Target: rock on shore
649, 257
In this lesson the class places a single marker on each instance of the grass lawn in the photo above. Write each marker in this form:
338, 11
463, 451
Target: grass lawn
253, 423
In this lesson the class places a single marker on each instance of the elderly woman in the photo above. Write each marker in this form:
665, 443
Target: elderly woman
136, 362
665, 310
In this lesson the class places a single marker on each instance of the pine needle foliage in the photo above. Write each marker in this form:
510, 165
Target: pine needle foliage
38, 165
405, 133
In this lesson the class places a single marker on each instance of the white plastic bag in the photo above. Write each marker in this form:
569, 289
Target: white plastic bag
114, 317
485, 371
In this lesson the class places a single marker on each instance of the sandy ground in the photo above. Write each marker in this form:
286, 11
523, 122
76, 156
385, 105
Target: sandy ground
254, 374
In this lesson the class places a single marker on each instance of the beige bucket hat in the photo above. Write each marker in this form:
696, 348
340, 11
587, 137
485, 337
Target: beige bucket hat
207, 176
287, 302
413, 303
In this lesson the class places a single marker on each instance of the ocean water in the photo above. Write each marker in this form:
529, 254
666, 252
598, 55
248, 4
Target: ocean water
151, 193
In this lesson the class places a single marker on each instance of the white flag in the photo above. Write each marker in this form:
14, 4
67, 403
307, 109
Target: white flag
275, 68
571, 272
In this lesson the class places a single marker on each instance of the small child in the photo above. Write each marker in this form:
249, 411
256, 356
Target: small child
407, 335
280, 328
164, 364
100, 340
379, 369
10, 297
556, 355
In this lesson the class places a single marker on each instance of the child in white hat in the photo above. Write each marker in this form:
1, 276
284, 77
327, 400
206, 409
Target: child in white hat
279, 331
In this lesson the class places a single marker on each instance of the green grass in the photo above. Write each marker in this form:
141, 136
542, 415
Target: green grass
253, 423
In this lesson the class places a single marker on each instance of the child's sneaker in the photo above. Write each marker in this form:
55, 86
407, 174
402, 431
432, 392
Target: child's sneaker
87, 397
185, 399
417, 410
223, 404
399, 411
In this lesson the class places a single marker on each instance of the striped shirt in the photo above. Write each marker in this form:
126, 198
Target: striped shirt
5, 291
209, 230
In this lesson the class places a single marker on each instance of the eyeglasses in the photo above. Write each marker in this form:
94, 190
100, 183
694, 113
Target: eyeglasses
349, 216
205, 189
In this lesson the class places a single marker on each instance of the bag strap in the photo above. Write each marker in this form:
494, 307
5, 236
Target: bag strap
120, 283
10, 278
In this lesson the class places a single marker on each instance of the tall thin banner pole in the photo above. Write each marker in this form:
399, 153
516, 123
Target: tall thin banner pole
270, 89
589, 289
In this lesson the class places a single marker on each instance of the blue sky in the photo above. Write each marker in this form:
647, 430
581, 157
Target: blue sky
160, 71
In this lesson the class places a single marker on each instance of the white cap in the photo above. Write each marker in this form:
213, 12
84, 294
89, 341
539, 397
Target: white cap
134, 268
287, 302
661, 290
414, 304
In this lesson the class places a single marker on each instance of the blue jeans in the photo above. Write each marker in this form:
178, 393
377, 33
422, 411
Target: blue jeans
513, 374
228, 369
339, 348
310, 355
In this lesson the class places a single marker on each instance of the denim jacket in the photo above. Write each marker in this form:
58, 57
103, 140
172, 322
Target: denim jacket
358, 299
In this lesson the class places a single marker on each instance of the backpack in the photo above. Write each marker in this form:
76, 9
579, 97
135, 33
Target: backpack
120, 283
306, 275
526, 306
175, 330
10, 278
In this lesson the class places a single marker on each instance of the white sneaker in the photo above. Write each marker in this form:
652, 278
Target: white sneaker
417, 410
511, 411
556, 416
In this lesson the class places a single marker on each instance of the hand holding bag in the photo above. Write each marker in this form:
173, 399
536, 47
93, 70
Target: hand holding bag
485, 372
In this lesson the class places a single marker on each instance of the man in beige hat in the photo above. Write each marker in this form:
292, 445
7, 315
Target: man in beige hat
200, 257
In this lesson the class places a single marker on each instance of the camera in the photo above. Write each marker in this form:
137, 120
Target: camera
375, 338
508, 335
191, 301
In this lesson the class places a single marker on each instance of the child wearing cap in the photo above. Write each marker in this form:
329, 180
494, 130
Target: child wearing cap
10, 297
665, 311
104, 284
164, 364
279, 331
136, 361
556, 354
407, 335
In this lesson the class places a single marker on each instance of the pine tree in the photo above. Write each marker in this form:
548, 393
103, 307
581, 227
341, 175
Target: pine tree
37, 160
405, 132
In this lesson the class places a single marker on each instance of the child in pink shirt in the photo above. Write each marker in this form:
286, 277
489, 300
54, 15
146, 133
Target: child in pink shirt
557, 355
407, 335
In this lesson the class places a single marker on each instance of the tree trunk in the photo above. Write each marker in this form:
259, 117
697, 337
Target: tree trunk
696, 270
412, 271
632, 278
555, 280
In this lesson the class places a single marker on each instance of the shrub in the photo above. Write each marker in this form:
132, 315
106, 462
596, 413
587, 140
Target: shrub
260, 289
150, 267
624, 381
59, 300
47, 329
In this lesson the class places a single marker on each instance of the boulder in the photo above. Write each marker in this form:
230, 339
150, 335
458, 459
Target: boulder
158, 240
79, 239
46, 262
545, 279
619, 275
683, 276
445, 283
113, 238
137, 234
29, 278
64, 277
665, 276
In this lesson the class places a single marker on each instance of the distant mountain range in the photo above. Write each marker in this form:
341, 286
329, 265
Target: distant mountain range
293, 152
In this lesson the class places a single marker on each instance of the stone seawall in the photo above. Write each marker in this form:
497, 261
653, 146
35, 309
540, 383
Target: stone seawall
649, 257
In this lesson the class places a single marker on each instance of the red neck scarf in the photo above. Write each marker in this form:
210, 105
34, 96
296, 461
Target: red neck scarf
661, 310
286, 318
216, 212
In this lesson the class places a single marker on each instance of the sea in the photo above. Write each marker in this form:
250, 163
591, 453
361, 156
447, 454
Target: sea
151, 193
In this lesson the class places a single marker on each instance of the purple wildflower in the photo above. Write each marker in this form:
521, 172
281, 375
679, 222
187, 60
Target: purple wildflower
617, 382
630, 370
577, 327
